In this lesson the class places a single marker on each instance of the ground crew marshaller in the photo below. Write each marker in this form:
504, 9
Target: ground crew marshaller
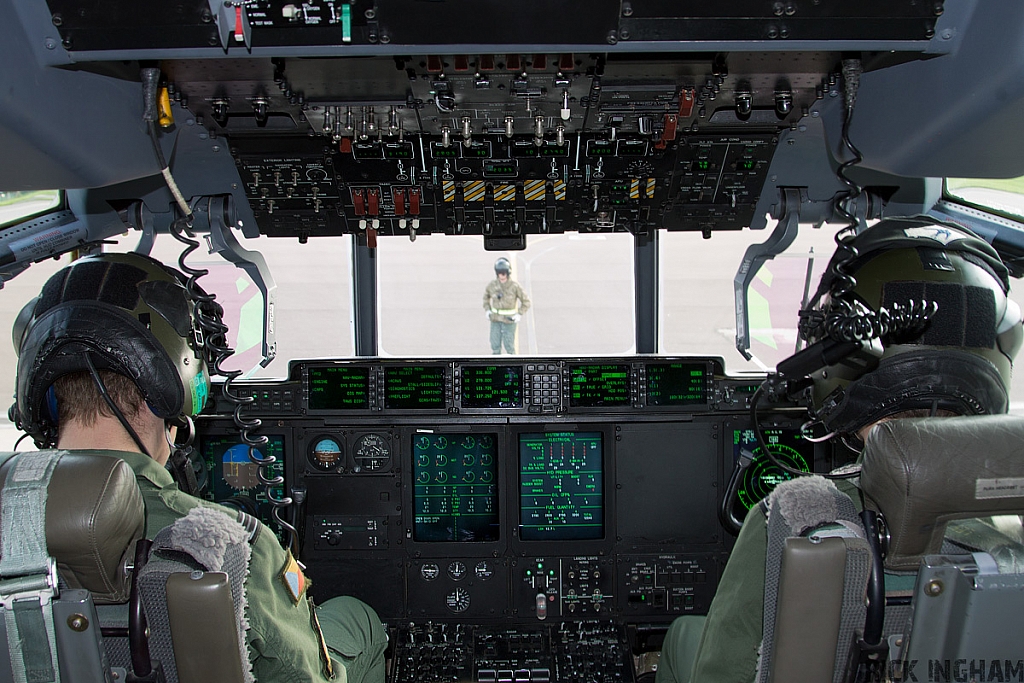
504, 302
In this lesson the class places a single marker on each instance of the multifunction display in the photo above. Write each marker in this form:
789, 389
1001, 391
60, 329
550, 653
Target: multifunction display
339, 387
676, 384
492, 386
414, 387
561, 486
593, 386
762, 476
455, 490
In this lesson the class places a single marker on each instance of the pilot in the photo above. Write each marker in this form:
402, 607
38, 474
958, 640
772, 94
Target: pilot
958, 365
505, 302
108, 360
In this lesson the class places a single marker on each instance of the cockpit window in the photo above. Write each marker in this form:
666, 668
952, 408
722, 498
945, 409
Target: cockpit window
16, 206
697, 296
1000, 195
580, 289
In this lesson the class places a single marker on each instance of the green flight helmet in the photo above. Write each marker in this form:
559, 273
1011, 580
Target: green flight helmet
502, 265
131, 315
928, 301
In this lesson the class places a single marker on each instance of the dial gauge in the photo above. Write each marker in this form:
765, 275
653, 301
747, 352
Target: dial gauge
372, 453
761, 477
458, 600
326, 454
430, 571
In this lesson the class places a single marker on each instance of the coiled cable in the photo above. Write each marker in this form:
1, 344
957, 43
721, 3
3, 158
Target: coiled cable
211, 337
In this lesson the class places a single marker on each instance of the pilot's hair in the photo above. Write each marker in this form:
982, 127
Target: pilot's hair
79, 400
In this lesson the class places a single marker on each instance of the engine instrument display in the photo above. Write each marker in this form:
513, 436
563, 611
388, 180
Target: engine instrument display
676, 384
761, 477
414, 387
492, 386
339, 387
455, 489
561, 486
593, 386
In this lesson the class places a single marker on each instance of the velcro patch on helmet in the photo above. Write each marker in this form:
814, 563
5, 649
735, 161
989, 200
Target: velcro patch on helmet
966, 315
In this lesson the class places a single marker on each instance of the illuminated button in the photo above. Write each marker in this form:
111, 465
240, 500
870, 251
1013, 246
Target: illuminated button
531, 368
505, 675
688, 601
522, 674
486, 675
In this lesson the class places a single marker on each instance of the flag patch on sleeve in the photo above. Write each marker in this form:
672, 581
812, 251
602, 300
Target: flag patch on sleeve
294, 580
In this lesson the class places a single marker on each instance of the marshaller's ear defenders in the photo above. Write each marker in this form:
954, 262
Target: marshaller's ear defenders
131, 315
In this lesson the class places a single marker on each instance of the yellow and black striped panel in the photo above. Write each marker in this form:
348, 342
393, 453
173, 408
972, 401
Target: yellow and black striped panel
473, 191
504, 193
534, 190
651, 183
559, 190
448, 187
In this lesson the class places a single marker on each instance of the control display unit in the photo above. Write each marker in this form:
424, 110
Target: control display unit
561, 486
762, 476
599, 386
455, 490
414, 387
492, 386
676, 384
339, 387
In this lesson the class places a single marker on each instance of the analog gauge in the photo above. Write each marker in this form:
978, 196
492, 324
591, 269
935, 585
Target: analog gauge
761, 477
486, 477
423, 477
486, 459
442, 477
326, 454
441, 443
372, 453
486, 441
483, 570
468, 459
430, 571
423, 443
239, 471
458, 600
456, 570
468, 443
469, 477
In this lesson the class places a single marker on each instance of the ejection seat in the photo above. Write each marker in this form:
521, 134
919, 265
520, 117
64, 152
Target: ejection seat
942, 498
71, 528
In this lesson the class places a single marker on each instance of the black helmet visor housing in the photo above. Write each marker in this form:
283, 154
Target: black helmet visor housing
129, 314
960, 361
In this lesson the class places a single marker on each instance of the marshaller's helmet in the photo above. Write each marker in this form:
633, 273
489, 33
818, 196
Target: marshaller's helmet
929, 303
502, 266
131, 315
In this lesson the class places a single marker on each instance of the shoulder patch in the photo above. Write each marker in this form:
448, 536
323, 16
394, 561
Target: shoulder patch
293, 578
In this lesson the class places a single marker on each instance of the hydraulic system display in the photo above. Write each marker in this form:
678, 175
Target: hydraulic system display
561, 486
414, 387
341, 387
761, 477
455, 490
593, 386
676, 384
492, 386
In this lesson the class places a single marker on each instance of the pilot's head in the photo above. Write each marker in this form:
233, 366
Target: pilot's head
930, 303
116, 323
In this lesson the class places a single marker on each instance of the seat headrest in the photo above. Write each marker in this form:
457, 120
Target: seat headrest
921, 473
94, 516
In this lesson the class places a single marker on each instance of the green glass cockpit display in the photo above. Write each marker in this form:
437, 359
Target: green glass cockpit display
340, 387
561, 486
492, 386
455, 490
593, 386
762, 476
676, 384
412, 387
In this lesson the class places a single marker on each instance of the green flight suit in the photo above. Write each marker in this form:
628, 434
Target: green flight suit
282, 641
502, 300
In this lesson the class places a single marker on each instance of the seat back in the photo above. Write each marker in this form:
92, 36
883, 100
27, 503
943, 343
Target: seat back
954, 579
196, 566
86, 515
941, 485
816, 569
81, 515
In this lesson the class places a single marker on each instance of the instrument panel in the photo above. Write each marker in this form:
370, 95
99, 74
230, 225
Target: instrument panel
527, 491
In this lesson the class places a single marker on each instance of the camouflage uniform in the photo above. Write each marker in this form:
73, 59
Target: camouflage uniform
502, 300
283, 642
